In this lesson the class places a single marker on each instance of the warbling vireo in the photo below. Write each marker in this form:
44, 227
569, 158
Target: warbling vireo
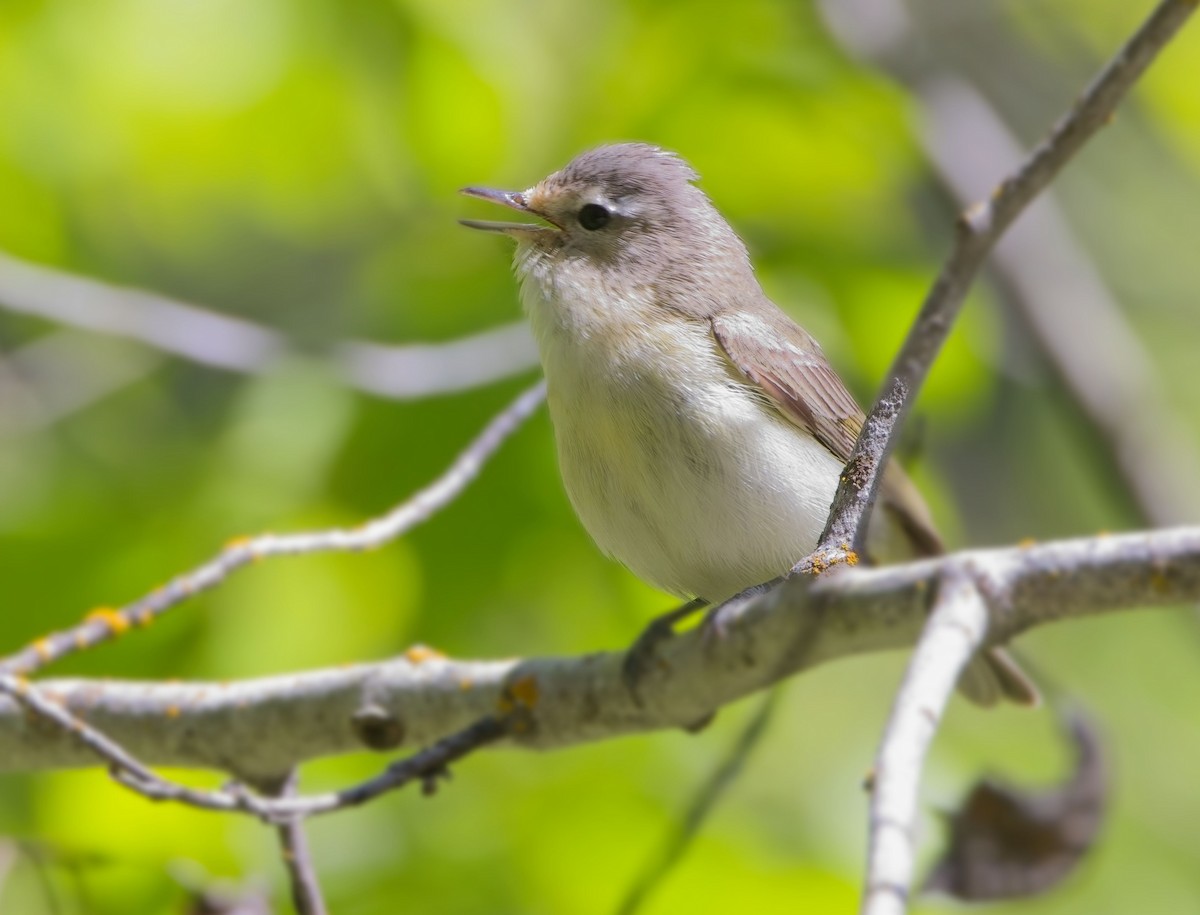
700, 430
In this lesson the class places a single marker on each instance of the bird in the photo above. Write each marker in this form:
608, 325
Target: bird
700, 430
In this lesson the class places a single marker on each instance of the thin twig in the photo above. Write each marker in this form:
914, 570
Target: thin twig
297, 858
63, 372
981, 225
856, 491
104, 624
426, 766
197, 334
701, 807
957, 628
416, 370
1044, 273
234, 344
1060, 297
124, 767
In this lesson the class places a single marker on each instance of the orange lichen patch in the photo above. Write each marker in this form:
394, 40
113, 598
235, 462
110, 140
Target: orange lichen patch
1026, 543
172, 711
1103, 533
143, 618
520, 693
419, 654
525, 690
43, 649
116, 621
238, 544
466, 683
827, 560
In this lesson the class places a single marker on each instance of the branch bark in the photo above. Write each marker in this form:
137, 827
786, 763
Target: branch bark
297, 857
939, 660
265, 726
979, 228
1043, 271
956, 629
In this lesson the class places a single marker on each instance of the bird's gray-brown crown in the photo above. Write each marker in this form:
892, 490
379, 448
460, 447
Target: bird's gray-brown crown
610, 187
626, 170
627, 208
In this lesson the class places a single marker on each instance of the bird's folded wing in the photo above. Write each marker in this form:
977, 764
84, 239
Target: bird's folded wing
788, 367
786, 364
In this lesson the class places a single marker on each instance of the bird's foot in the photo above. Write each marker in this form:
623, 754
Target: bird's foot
642, 656
717, 621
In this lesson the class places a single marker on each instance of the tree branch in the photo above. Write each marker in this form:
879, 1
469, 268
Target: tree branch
297, 858
956, 629
267, 725
104, 624
979, 227
1056, 291
1044, 273
234, 344
942, 652
63, 372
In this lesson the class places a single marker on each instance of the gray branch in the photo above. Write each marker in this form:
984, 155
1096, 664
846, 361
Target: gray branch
979, 228
265, 726
1045, 274
956, 628
234, 344
942, 652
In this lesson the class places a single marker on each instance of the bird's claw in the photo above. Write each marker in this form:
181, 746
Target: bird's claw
642, 656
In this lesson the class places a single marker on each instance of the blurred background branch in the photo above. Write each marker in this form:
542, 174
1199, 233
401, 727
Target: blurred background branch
108, 623
59, 377
61, 372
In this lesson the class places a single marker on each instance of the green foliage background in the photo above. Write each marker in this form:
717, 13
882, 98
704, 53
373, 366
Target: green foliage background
296, 163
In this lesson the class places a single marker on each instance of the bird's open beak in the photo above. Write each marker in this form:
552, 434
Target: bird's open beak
513, 199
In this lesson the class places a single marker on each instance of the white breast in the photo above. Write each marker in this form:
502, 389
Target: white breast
675, 465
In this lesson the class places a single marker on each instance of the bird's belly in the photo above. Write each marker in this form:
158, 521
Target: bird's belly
699, 488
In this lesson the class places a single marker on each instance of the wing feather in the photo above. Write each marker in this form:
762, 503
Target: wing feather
786, 363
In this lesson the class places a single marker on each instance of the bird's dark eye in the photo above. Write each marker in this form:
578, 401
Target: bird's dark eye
592, 216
